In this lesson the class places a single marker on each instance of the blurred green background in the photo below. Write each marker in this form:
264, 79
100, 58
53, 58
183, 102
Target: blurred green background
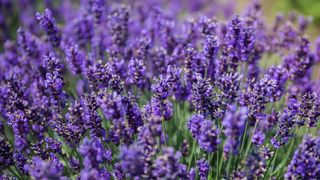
304, 7
308, 8
270, 8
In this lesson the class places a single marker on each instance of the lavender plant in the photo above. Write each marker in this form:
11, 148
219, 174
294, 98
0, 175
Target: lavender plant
137, 90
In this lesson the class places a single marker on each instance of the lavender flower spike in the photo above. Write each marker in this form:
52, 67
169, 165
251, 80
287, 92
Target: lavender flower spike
234, 124
203, 168
305, 163
132, 160
47, 23
204, 131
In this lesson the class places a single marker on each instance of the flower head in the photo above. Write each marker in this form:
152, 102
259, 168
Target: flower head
305, 162
234, 123
47, 23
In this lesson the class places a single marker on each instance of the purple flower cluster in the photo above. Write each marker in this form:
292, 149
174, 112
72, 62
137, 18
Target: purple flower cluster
132, 161
6, 155
203, 168
234, 123
133, 90
305, 163
205, 132
297, 113
41, 169
167, 166
47, 23
94, 154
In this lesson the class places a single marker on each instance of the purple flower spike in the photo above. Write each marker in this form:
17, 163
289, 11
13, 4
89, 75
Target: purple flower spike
27, 43
167, 166
97, 7
229, 85
20, 160
258, 138
234, 123
47, 23
309, 110
192, 174
41, 169
132, 161
75, 58
194, 125
286, 123
203, 168
305, 163
207, 25
5, 154
202, 96
137, 73
118, 25
20, 125
208, 136
204, 132
93, 153
298, 63
210, 50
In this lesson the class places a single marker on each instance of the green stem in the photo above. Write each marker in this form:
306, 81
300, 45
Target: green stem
274, 161
220, 162
250, 142
244, 137
218, 151
228, 164
179, 117
286, 158
159, 143
242, 145
211, 170
210, 157
164, 133
217, 173
14, 173
271, 162
18, 170
191, 156
289, 152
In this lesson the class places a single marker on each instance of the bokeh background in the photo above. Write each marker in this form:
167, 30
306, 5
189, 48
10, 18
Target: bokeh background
16, 13
308, 8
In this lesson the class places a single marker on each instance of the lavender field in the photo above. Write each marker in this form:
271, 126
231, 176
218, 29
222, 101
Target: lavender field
152, 89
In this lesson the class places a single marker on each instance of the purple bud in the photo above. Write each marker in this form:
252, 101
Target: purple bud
258, 138
203, 168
